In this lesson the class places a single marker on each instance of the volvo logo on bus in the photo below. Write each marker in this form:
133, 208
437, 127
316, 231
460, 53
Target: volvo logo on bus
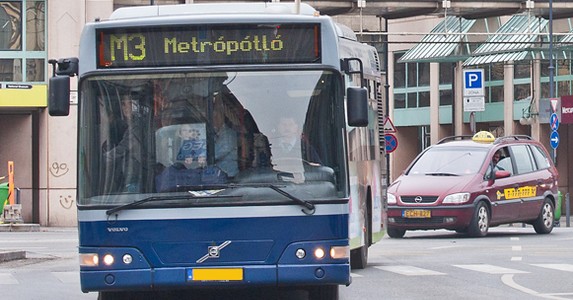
213, 252
418, 199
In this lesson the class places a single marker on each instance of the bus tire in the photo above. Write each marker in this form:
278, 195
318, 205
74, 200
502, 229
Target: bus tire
323, 292
544, 222
395, 233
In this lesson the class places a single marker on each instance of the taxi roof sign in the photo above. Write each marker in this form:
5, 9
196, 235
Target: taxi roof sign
483, 137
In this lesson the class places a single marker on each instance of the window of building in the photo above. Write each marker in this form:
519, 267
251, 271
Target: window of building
411, 83
23, 41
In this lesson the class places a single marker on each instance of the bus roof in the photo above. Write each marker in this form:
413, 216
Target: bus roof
211, 8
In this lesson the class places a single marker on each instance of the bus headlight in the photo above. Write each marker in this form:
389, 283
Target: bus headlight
339, 252
300, 253
108, 259
89, 260
319, 253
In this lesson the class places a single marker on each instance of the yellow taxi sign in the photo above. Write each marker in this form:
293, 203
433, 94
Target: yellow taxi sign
483, 137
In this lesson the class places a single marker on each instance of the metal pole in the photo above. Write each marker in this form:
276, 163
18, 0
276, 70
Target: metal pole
567, 211
386, 94
551, 66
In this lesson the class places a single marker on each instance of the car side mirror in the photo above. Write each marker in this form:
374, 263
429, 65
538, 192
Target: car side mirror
502, 174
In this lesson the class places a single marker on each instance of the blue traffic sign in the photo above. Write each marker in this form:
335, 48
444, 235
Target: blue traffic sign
473, 83
554, 139
473, 79
391, 142
554, 122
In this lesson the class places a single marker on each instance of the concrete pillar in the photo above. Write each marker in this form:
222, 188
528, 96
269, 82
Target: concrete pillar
434, 102
458, 120
508, 97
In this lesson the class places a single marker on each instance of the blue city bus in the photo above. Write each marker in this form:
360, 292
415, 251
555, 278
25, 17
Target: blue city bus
186, 178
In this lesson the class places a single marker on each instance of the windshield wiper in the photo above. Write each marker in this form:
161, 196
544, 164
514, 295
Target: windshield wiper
131, 205
308, 208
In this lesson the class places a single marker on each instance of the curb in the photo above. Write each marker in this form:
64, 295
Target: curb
19, 227
11, 255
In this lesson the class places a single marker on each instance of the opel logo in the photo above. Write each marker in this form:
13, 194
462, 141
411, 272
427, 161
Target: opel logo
418, 199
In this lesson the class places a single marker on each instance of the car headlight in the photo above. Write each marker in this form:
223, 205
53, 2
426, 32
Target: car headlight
391, 198
457, 198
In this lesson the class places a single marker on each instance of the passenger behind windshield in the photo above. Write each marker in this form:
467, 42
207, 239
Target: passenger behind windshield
124, 157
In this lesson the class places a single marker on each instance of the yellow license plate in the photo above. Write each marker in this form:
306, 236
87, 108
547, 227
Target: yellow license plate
417, 213
216, 274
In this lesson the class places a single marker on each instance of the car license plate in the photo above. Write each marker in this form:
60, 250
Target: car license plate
417, 213
215, 274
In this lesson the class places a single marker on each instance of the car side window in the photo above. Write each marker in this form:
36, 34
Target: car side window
505, 165
523, 159
540, 157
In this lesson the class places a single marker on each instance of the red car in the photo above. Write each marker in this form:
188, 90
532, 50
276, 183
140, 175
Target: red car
469, 184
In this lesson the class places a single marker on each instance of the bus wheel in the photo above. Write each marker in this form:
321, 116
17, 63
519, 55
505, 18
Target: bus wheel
323, 292
395, 232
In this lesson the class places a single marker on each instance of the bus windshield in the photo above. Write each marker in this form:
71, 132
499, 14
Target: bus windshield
229, 135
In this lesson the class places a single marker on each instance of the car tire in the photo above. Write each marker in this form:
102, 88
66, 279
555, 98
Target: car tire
480, 221
396, 232
544, 223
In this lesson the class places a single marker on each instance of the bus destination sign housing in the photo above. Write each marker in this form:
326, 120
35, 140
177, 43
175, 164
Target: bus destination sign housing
190, 45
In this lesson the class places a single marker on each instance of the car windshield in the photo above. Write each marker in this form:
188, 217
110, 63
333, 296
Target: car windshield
162, 135
449, 161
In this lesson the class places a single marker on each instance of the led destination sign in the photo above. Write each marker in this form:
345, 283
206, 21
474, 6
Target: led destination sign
207, 44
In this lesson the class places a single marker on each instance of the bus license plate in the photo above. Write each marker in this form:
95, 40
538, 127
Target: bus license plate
215, 274
416, 213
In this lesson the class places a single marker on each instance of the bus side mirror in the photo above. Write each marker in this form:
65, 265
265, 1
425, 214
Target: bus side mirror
357, 106
59, 96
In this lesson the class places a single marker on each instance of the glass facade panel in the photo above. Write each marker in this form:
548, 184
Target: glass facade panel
521, 91
23, 41
399, 71
35, 70
446, 73
424, 74
446, 97
424, 99
10, 70
11, 29
35, 26
399, 100
412, 100
522, 70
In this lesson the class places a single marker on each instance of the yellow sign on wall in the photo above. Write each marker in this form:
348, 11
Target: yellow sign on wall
23, 95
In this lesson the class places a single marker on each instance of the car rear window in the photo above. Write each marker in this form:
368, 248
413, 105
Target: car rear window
449, 161
540, 158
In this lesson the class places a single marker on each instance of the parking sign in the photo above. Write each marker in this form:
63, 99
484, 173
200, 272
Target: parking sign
473, 83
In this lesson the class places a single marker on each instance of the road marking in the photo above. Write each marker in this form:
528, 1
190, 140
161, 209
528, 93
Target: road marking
356, 275
507, 279
6, 278
516, 258
409, 270
514, 238
515, 248
68, 277
560, 267
490, 269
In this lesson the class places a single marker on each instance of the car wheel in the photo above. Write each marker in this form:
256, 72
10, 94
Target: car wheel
396, 232
544, 222
480, 221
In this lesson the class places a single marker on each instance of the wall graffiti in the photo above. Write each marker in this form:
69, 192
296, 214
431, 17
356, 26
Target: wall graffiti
59, 169
66, 201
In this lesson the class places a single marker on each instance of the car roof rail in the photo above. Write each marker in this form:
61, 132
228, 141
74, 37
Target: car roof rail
516, 137
453, 138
